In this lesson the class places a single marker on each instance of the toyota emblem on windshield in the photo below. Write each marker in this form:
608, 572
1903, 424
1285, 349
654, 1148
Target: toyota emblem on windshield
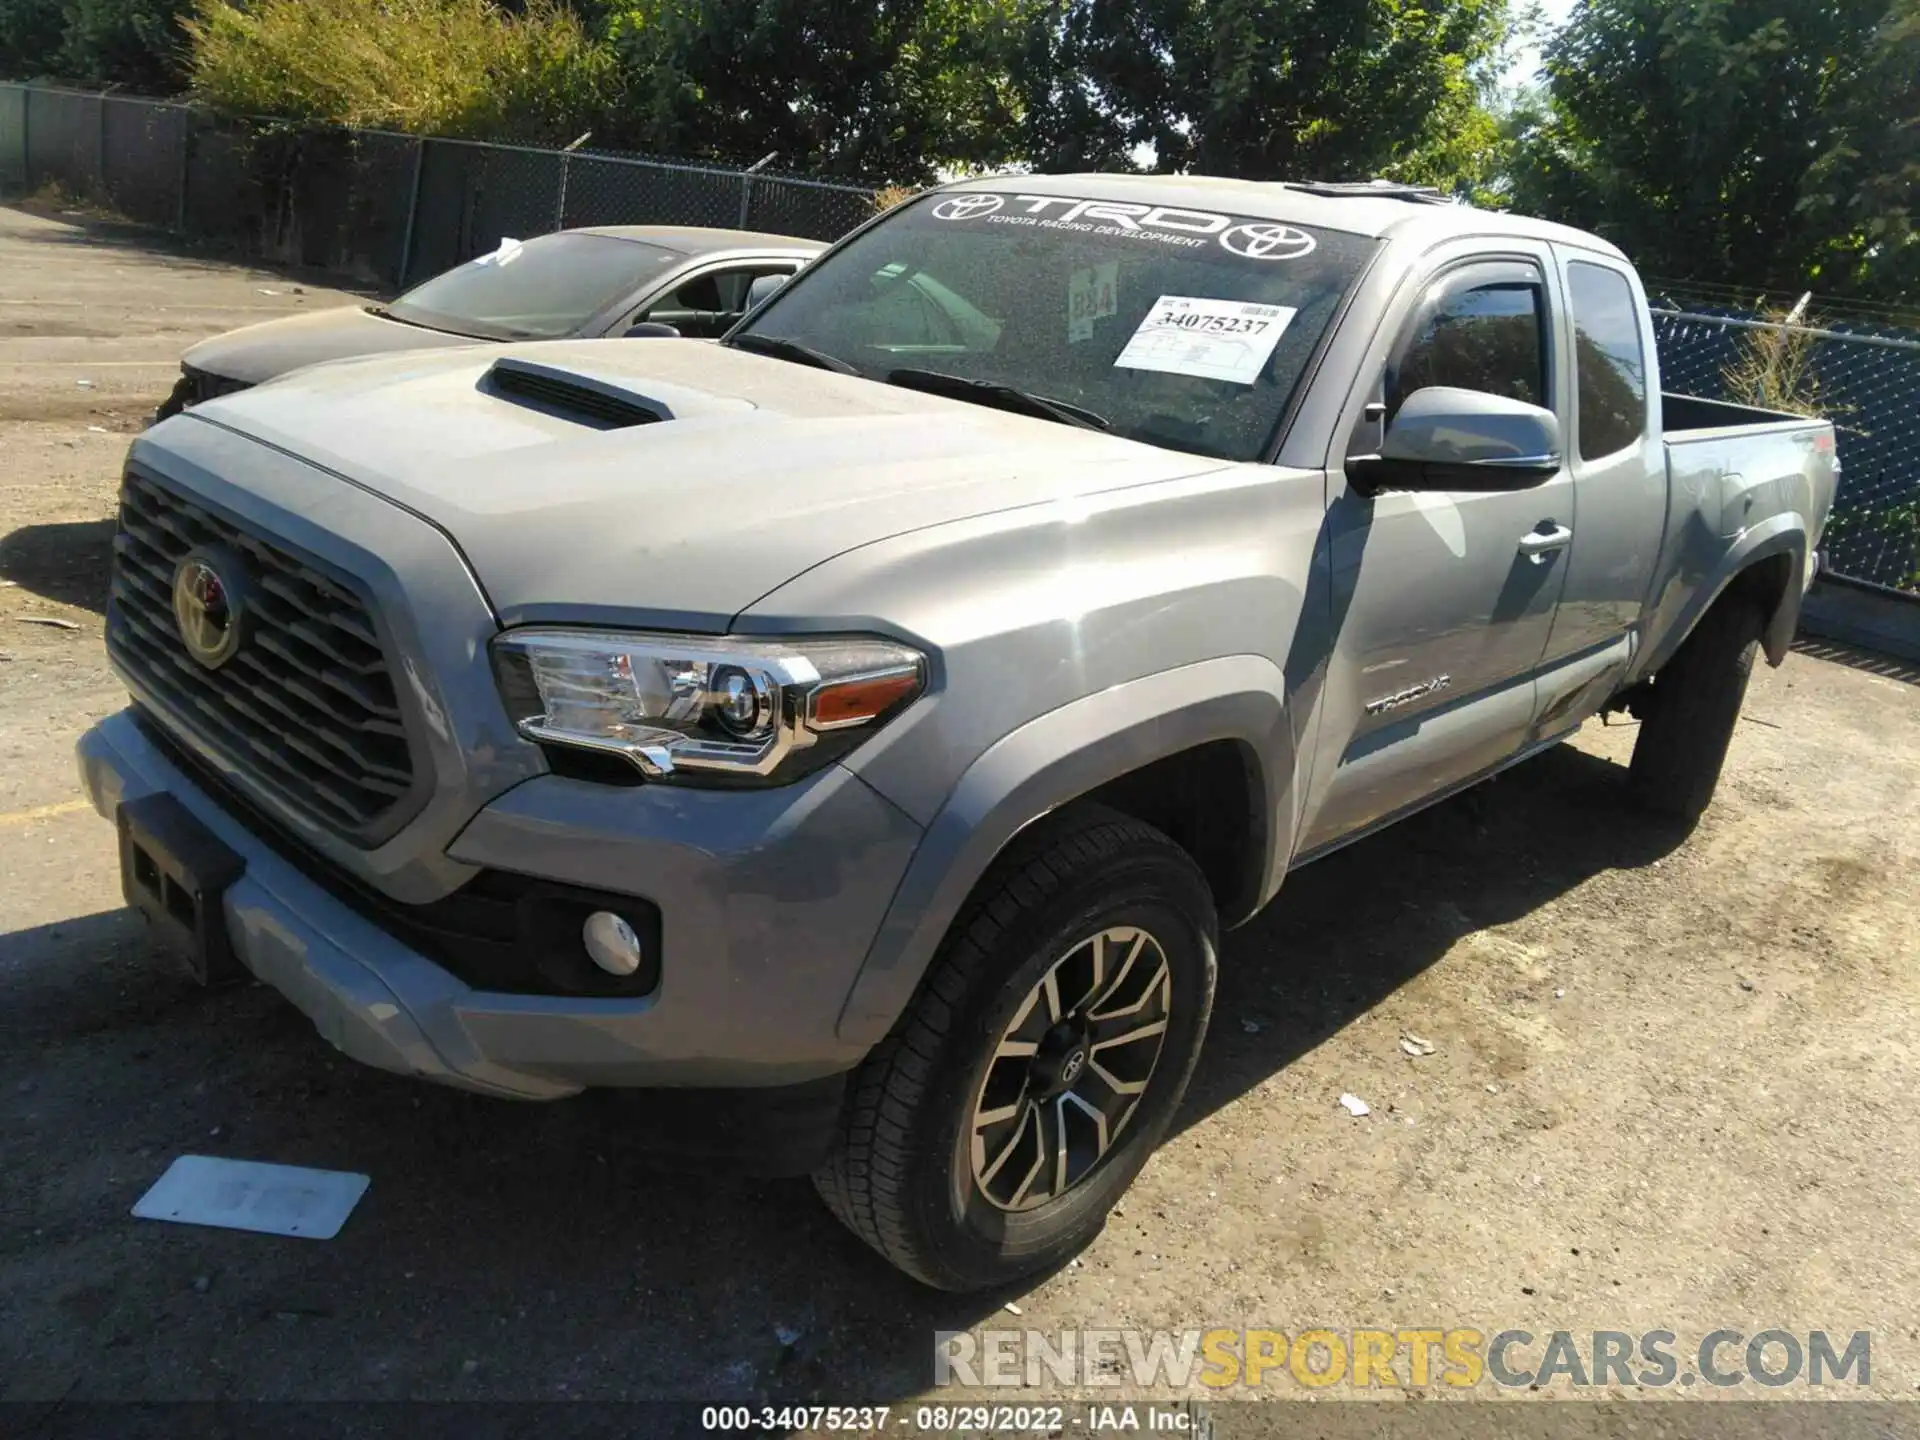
207, 607
1268, 241
966, 207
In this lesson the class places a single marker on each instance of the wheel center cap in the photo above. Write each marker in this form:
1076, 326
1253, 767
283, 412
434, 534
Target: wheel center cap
1072, 1064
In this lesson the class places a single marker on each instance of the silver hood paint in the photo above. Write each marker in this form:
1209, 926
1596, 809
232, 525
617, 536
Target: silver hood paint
257, 353
768, 469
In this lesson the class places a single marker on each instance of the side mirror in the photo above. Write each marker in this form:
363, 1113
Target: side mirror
763, 287
652, 330
1448, 439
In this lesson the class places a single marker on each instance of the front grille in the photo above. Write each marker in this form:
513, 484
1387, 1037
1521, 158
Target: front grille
306, 707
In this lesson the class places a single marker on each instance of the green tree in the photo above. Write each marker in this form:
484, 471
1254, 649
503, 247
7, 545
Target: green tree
1266, 89
880, 89
1769, 143
30, 32
138, 44
439, 67
135, 44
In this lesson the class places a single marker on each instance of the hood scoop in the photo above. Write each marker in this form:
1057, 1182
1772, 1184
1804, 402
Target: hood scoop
571, 395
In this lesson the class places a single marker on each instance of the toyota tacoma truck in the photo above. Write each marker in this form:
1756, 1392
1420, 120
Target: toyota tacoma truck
873, 720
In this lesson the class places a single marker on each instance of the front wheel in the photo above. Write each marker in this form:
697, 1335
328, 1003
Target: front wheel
988, 1135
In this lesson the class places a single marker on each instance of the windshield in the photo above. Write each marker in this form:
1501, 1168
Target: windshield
1182, 328
542, 289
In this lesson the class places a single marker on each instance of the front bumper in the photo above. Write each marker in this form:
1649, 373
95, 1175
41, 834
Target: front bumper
769, 900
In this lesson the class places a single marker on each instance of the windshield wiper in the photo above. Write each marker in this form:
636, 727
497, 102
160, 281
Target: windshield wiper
1003, 397
782, 348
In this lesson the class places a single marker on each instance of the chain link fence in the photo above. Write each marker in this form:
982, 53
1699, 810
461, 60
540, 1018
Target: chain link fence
388, 209
1866, 378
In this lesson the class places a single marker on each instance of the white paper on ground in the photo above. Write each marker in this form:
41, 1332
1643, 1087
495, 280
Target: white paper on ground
249, 1195
1216, 339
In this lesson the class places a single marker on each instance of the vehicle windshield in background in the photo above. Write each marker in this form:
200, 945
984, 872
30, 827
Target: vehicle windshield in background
1184, 328
542, 289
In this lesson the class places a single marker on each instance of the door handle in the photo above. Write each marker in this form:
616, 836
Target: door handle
1536, 545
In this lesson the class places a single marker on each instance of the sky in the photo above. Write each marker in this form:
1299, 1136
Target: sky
1526, 61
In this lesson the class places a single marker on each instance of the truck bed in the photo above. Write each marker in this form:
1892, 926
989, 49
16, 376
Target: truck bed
1731, 469
1686, 417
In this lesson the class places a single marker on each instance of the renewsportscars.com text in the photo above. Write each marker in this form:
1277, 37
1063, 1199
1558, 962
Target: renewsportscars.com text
1457, 1357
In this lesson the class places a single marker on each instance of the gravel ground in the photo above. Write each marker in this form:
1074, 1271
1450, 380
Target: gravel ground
1671, 1084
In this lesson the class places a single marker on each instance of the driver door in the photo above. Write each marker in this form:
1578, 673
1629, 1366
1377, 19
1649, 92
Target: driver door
1442, 602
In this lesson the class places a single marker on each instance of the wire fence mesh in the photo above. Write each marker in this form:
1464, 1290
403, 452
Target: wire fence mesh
1866, 379
389, 209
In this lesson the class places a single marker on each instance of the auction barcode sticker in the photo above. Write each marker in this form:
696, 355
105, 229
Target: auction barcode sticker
1217, 339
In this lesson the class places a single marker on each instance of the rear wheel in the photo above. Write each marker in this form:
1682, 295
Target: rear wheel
989, 1134
1688, 715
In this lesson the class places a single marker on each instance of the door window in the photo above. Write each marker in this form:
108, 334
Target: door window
1475, 336
706, 306
1608, 365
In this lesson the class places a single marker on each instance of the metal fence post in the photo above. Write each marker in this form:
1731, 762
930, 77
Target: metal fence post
26, 131
560, 201
100, 170
186, 169
413, 209
746, 186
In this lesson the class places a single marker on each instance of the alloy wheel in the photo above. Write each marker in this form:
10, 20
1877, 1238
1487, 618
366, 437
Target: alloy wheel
1070, 1069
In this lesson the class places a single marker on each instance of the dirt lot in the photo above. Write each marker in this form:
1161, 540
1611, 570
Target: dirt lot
1673, 1082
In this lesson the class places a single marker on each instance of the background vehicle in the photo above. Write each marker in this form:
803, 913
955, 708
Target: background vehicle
880, 713
570, 284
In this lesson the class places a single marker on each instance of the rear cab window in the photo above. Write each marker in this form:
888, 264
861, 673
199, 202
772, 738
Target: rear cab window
1179, 327
1610, 368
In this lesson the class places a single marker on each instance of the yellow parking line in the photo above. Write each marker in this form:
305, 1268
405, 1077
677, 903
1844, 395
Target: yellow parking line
44, 812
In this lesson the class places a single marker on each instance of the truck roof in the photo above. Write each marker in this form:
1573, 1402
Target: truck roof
1390, 213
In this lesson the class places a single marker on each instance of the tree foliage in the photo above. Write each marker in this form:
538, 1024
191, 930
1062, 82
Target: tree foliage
136, 44
30, 32
1775, 143
1323, 89
883, 89
445, 67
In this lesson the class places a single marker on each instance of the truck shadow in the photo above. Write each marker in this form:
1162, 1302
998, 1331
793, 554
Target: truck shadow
508, 1251
1349, 930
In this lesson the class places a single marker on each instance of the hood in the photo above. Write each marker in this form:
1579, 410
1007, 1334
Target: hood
756, 470
256, 353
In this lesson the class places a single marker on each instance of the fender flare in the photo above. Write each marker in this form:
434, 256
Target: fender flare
1783, 534
1045, 764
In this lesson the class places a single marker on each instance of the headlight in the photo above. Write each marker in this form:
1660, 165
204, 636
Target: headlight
682, 706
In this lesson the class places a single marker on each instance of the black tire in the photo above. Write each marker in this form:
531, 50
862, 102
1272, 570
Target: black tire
899, 1175
176, 400
1687, 720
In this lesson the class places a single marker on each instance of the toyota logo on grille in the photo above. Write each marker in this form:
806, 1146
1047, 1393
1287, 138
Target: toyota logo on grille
966, 207
1268, 242
207, 607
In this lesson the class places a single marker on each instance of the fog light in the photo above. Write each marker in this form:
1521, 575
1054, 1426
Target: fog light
611, 943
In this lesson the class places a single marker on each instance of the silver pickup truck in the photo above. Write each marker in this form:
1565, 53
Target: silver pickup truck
872, 721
